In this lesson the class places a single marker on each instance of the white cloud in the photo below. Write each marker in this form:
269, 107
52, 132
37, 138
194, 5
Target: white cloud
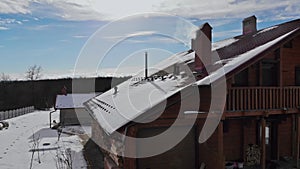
80, 36
39, 27
142, 33
114, 9
65, 41
14, 6
9, 21
218, 9
131, 35
3, 28
6, 22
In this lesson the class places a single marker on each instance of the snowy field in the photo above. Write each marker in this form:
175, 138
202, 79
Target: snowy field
30, 143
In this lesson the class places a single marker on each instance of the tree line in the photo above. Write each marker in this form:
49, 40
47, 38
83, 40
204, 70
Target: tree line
42, 93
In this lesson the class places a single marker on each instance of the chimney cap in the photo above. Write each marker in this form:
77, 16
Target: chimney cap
205, 25
204, 28
249, 18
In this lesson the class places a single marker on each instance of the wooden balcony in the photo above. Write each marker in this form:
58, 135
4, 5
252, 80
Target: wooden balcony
262, 98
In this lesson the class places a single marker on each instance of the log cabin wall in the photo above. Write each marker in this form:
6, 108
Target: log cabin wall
233, 139
210, 153
270, 83
285, 137
290, 59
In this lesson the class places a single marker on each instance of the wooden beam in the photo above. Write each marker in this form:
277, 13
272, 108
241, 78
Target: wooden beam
245, 137
263, 143
277, 137
220, 145
280, 69
229, 114
297, 139
130, 148
294, 135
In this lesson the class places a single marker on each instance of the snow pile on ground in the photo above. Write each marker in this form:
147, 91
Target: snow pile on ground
30, 142
78, 130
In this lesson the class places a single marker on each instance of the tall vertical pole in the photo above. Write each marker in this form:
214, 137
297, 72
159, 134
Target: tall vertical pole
297, 139
263, 143
146, 65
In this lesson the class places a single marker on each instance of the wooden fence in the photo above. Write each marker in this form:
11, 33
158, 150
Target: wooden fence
15, 113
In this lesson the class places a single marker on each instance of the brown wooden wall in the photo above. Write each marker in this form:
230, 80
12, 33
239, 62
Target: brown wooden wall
290, 59
285, 137
238, 134
233, 139
208, 151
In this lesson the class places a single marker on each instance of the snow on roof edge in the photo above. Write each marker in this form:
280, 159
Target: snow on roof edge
74, 100
240, 59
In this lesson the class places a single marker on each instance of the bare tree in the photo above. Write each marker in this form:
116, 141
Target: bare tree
34, 72
64, 159
35, 147
4, 77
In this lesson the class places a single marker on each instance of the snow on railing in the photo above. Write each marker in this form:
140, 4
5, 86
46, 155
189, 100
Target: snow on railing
15, 113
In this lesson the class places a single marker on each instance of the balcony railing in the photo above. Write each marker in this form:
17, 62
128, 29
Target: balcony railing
262, 98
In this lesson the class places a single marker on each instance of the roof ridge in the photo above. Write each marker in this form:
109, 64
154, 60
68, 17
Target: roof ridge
248, 42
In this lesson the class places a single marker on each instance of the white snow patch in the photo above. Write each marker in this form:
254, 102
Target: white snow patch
133, 98
267, 29
17, 141
223, 43
75, 100
78, 130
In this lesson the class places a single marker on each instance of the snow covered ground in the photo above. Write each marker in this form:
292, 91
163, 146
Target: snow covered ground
17, 144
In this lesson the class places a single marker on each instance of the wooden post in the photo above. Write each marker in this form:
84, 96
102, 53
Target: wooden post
297, 139
244, 126
220, 145
130, 148
294, 135
276, 125
260, 73
263, 144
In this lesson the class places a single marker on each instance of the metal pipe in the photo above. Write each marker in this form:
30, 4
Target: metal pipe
50, 116
146, 65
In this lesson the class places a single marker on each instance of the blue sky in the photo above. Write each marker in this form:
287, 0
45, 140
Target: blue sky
52, 33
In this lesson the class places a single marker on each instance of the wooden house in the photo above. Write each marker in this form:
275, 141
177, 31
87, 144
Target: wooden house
261, 105
72, 111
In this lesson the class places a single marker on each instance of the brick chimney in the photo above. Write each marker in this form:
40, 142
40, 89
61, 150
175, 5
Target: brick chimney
249, 25
202, 47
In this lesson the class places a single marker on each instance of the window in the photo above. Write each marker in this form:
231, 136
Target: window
269, 73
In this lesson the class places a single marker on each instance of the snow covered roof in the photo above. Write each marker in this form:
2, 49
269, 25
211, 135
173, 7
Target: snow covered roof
223, 43
234, 62
114, 109
238, 45
72, 100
